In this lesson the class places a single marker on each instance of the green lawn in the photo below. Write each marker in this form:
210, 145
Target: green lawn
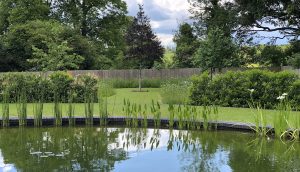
116, 104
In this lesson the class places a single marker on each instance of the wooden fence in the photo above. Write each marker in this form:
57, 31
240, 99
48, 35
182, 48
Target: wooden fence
155, 73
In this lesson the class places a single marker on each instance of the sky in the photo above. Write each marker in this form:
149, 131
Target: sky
165, 16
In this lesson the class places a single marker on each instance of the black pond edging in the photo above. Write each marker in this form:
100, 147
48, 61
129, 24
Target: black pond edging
121, 121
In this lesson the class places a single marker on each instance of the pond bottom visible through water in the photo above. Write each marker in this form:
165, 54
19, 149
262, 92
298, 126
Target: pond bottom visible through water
129, 149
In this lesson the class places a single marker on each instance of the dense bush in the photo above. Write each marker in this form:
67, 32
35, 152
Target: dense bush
232, 89
57, 86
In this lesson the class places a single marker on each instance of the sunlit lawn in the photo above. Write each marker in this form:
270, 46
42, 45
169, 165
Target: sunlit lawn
115, 104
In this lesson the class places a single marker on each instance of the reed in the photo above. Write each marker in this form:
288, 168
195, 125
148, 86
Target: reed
127, 111
5, 108
89, 109
205, 114
21, 104
38, 113
281, 122
145, 116
105, 90
171, 110
156, 112
71, 108
57, 111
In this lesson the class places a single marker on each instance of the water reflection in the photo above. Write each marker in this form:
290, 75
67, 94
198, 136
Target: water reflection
124, 149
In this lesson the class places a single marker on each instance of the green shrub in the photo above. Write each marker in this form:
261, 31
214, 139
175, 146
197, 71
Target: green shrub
61, 85
175, 93
232, 88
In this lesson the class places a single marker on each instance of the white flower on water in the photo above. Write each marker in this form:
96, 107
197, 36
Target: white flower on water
284, 94
280, 97
251, 90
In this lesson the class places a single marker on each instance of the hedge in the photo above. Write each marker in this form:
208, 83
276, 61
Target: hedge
58, 85
232, 89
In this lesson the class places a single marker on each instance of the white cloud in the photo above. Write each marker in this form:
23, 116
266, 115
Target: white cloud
166, 39
164, 14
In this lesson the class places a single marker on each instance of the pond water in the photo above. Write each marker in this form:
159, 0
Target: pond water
123, 149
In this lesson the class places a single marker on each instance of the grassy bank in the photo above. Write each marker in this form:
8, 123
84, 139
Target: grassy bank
115, 105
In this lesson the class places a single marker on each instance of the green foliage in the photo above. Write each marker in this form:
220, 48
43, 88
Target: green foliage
144, 48
57, 57
175, 93
294, 60
273, 56
232, 88
186, 45
217, 51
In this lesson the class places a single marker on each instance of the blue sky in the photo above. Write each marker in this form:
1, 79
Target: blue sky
166, 15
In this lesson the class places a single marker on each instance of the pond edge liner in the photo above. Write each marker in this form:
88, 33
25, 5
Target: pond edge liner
121, 121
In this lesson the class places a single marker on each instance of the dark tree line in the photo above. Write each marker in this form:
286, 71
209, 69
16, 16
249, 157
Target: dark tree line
67, 34
224, 34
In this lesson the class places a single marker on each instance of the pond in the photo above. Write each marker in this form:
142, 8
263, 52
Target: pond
124, 149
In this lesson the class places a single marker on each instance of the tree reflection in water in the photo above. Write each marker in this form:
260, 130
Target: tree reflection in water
98, 149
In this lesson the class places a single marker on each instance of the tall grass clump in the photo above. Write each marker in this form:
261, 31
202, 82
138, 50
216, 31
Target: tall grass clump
127, 111
71, 108
175, 93
105, 90
156, 112
171, 110
38, 106
89, 83
281, 121
21, 103
5, 108
260, 121
38, 113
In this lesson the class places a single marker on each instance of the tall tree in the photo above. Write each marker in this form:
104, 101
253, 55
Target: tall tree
144, 48
14, 12
102, 22
217, 51
249, 18
21, 37
186, 45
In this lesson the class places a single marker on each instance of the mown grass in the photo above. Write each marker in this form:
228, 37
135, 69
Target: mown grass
116, 103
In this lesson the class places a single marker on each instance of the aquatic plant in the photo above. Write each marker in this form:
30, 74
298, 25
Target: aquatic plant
155, 110
145, 116
57, 111
71, 108
21, 104
127, 111
260, 121
38, 113
281, 122
105, 90
5, 108
171, 110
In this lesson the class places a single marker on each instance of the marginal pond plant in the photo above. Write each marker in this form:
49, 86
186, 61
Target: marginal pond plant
71, 108
5, 108
21, 104
105, 90
156, 112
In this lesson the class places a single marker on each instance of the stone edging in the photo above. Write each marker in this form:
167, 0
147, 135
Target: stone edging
121, 121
